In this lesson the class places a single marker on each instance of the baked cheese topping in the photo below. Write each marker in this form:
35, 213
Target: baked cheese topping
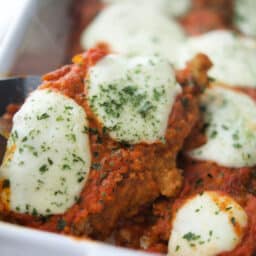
133, 97
128, 29
171, 8
234, 57
207, 224
230, 121
245, 16
48, 154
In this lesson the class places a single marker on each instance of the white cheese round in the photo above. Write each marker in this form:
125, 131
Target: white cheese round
233, 57
128, 29
48, 154
207, 224
230, 119
171, 8
133, 97
245, 16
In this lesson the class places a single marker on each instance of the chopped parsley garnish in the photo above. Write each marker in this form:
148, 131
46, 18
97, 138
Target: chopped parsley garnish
191, 236
43, 116
146, 108
68, 107
50, 161
61, 224
96, 166
237, 145
66, 167
233, 221
59, 119
213, 134
14, 136
44, 168
177, 248
6, 184
86, 130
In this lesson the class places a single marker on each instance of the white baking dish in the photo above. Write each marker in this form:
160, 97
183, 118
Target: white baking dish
36, 39
18, 16
19, 241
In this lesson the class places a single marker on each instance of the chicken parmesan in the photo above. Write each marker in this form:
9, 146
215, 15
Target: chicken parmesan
143, 141
85, 147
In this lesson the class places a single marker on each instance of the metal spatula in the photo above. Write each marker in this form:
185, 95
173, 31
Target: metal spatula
13, 90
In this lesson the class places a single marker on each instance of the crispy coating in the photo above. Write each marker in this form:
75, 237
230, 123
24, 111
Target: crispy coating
123, 178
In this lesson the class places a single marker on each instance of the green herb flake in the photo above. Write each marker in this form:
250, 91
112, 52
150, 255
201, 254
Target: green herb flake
6, 184
43, 116
50, 161
34, 212
44, 168
191, 236
68, 107
96, 166
85, 130
79, 180
145, 109
61, 224
59, 119
213, 134
25, 139
65, 167
233, 221
237, 145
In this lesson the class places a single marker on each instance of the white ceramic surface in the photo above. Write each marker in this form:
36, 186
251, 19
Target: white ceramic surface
36, 39
22, 11
19, 241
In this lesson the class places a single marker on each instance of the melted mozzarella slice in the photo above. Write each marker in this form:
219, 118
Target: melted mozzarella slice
128, 29
133, 97
48, 155
171, 8
245, 16
234, 57
230, 119
207, 224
